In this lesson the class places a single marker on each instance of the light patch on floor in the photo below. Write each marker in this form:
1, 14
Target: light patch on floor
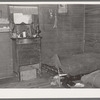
36, 83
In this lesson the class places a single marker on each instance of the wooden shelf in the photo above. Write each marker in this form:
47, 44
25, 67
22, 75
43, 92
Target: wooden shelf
26, 38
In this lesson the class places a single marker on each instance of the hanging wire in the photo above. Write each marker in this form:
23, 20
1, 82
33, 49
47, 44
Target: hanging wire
55, 21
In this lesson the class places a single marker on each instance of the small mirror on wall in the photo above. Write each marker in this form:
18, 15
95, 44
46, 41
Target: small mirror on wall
62, 8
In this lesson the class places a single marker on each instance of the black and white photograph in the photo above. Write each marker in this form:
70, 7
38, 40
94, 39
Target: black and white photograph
51, 46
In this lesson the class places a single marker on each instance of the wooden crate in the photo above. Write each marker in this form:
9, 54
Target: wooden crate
28, 73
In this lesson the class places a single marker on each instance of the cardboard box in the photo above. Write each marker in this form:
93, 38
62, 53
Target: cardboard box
27, 73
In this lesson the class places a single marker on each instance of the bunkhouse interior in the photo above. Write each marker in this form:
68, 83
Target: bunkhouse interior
50, 46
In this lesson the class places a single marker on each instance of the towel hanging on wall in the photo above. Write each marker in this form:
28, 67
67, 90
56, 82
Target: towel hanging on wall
55, 21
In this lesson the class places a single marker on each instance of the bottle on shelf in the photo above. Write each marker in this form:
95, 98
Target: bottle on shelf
37, 31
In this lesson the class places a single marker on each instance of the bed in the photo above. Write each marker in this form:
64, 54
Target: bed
77, 66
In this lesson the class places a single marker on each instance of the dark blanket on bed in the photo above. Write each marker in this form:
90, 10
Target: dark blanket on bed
81, 64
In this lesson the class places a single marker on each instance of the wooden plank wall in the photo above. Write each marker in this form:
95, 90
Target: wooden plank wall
92, 27
72, 30
47, 32
6, 61
69, 29
82, 22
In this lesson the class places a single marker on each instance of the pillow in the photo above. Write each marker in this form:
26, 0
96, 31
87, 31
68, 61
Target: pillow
92, 79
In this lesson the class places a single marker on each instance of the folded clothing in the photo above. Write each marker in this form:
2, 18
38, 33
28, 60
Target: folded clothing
92, 79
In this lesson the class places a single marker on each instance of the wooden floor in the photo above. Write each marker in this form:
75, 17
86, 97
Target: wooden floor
36, 83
